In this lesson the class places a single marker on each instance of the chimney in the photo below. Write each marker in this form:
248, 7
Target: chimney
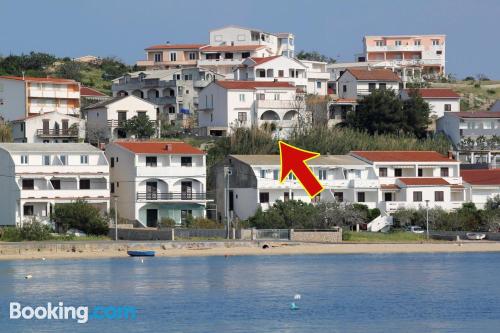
450, 154
168, 147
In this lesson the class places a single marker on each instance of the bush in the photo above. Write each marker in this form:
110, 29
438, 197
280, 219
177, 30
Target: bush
80, 215
491, 91
30, 231
167, 222
204, 223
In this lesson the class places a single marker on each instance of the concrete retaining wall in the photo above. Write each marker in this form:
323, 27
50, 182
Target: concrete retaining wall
452, 235
167, 233
320, 236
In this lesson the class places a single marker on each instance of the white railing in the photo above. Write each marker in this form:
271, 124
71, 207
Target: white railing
278, 104
64, 194
392, 206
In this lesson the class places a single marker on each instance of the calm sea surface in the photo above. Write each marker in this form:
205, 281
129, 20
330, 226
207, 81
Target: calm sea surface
339, 293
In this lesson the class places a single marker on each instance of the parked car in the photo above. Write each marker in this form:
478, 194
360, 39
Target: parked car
415, 229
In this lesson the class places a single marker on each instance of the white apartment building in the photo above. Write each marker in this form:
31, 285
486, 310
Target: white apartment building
50, 127
228, 104
38, 176
357, 83
105, 119
413, 179
21, 97
481, 185
440, 100
156, 180
469, 125
254, 182
308, 76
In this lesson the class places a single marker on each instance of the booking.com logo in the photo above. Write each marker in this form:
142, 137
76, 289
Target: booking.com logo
81, 314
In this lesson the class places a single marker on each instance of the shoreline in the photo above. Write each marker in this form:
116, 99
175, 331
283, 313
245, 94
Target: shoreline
98, 250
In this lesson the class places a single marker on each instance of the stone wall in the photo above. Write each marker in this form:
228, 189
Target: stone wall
319, 236
143, 234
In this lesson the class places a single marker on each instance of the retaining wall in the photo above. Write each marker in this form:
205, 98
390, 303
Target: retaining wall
320, 236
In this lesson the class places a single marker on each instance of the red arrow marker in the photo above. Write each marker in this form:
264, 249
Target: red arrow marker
293, 159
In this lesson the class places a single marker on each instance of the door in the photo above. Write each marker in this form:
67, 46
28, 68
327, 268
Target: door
387, 196
152, 218
186, 190
122, 117
56, 128
45, 127
286, 196
65, 127
151, 190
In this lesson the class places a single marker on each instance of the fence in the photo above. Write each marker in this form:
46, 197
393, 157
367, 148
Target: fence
277, 234
166, 234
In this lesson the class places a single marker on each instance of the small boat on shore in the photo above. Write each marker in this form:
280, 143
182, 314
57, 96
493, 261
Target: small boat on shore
141, 253
475, 236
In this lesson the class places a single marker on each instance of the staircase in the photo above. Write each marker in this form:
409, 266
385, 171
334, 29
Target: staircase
382, 223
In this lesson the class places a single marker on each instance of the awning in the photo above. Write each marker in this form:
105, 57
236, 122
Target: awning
389, 187
403, 166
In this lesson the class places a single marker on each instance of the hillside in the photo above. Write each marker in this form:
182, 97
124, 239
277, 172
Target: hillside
94, 75
476, 95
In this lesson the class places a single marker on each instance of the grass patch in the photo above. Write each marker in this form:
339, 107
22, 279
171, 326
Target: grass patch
380, 237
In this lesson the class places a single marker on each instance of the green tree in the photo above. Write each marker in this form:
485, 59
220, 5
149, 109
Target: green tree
314, 56
112, 68
5, 132
140, 126
416, 113
286, 215
80, 215
70, 70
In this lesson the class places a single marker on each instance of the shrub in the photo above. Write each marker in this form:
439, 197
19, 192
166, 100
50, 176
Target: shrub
167, 222
80, 215
30, 231
491, 91
204, 223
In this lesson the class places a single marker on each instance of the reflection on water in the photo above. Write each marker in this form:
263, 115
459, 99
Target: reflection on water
339, 293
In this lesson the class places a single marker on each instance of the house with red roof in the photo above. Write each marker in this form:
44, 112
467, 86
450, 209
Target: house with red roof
413, 179
22, 96
90, 96
481, 185
440, 100
153, 181
354, 83
224, 105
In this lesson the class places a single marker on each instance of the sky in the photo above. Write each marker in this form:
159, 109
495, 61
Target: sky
123, 28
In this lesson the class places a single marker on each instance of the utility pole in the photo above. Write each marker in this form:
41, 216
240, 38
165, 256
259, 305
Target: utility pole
427, 217
116, 218
227, 173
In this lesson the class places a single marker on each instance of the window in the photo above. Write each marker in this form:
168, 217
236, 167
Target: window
420, 172
398, 172
186, 161
387, 196
318, 84
397, 43
372, 86
261, 97
173, 56
380, 43
192, 55
56, 184
445, 172
291, 176
185, 213
417, 42
447, 107
382, 172
382, 86
417, 196
64, 159
242, 97
435, 42
276, 97
242, 117
439, 52
46, 159
245, 55
84, 184
28, 184
262, 173
263, 197
112, 162
344, 88
188, 77
112, 187
24, 159
439, 196
28, 210
151, 161
322, 174
339, 196
84, 159
276, 174
158, 57
361, 196
281, 73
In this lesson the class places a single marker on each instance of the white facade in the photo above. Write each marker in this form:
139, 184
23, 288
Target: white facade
227, 104
41, 175
352, 87
105, 119
156, 180
481, 185
21, 97
51, 127
438, 104
317, 77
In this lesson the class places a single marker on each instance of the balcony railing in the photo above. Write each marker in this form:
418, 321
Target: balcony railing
57, 133
171, 196
121, 123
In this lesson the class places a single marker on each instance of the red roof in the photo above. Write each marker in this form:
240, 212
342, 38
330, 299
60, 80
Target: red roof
175, 46
230, 84
475, 114
37, 79
151, 147
402, 156
389, 187
86, 91
373, 74
230, 48
261, 60
436, 93
481, 176
420, 181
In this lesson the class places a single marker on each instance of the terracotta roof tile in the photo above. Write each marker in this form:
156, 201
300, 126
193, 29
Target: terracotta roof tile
421, 181
262, 60
38, 79
436, 93
230, 84
481, 176
389, 187
402, 156
374, 74
231, 48
175, 46
86, 91
150, 147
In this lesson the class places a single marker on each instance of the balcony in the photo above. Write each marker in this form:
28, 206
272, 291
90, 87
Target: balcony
364, 183
392, 206
201, 83
65, 194
162, 100
152, 63
120, 123
395, 48
57, 133
172, 196
219, 62
478, 132
318, 75
279, 104
53, 93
